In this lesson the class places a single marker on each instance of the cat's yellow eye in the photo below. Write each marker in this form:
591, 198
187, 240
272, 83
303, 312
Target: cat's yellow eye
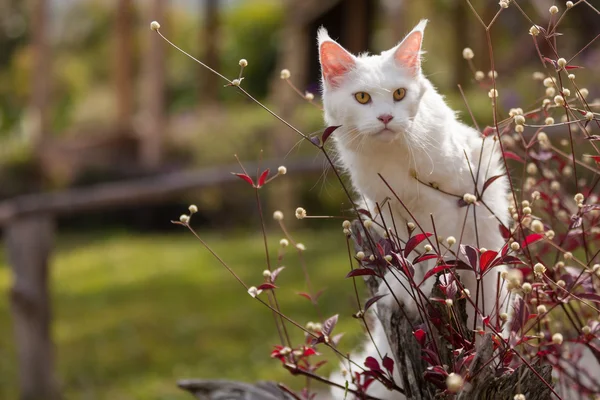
362, 97
399, 94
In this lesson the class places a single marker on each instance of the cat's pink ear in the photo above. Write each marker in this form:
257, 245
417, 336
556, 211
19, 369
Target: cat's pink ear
408, 53
335, 60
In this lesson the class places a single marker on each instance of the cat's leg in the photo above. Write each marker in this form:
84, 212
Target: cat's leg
379, 345
400, 291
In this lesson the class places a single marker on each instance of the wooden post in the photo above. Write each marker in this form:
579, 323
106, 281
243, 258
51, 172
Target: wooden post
209, 88
29, 242
41, 73
123, 62
461, 40
395, 19
153, 94
293, 55
355, 26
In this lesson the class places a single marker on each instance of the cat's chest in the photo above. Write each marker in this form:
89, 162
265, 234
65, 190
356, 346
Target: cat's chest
411, 182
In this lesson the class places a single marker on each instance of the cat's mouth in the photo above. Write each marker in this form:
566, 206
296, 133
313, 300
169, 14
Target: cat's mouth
385, 134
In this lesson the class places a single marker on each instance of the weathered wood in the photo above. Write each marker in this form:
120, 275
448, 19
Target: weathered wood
153, 124
123, 61
522, 381
230, 390
29, 243
293, 51
40, 91
406, 351
143, 190
209, 37
355, 25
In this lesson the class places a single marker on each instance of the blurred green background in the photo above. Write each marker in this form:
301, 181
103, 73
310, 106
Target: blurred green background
89, 94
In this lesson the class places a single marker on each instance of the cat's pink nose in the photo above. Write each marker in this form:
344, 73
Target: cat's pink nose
385, 118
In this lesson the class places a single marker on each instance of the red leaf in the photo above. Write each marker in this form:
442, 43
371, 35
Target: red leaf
329, 324
504, 250
266, 286
595, 158
534, 237
309, 351
246, 178
316, 141
435, 270
459, 264
472, 255
532, 316
305, 295
504, 231
576, 221
520, 314
276, 353
365, 212
511, 260
414, 242
381, 250
328, 131
361, 272
320, 339
420, 335
263, 177
318, 294
372, 364
373, 300
568, 67
490, 181
486, 258
424, 257
405, 265
488, 130
512, 156
388, 364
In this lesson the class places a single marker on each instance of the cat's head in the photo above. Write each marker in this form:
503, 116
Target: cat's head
372, 96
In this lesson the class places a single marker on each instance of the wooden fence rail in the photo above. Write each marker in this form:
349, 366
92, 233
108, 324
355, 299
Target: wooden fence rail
29, 228
141, 191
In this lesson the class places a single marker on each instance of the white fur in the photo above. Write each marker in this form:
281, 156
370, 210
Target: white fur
424, 137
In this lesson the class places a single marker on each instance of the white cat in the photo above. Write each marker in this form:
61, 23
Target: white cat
394, 123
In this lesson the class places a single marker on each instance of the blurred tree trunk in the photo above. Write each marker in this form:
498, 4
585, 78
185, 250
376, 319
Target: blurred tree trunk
487, 10
40, 75
460, 21
209, 87
153, 94
395, 18
293, 54
123, 62
356, 26
29, 243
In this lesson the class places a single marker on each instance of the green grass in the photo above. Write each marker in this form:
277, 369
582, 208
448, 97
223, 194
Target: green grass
135, 313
